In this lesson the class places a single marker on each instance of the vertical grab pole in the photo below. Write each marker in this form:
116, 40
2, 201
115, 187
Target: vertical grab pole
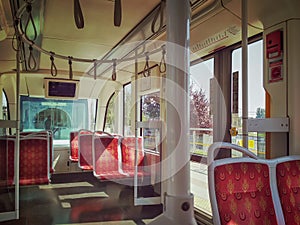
245, 72
179, 206
136, 130
17, 142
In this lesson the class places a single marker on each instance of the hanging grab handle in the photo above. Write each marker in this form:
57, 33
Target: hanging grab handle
114, 73
117, 13
70, 68
147, 70
53, 66
28, 22
31, 59
162, 64
78, 16
159, 13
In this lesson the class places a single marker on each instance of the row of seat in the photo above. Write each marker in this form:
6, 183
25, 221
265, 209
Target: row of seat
35, 162
249, 190
110, 157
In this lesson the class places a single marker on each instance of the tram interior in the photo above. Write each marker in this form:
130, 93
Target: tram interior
84, 106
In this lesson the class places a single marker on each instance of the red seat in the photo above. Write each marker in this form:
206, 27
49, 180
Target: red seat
74, 146
107, 157
128, 149
50, 143
10, 159
3, 162
288, 183
241, 190
34, 162
6, 161
85, 159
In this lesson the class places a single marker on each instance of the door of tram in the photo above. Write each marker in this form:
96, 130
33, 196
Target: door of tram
256, 97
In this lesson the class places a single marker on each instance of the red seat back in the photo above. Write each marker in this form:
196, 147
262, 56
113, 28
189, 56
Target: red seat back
106, 157
288, 183
243, 193
242, 190
45, 133
74, 146
34, 160
85, 159
4, 163
128, 147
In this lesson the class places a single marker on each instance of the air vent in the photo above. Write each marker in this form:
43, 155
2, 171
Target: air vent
215, 39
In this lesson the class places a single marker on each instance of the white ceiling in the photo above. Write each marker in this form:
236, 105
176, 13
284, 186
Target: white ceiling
60, 35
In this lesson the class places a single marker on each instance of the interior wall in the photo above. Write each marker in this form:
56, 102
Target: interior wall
278, 96
293, 64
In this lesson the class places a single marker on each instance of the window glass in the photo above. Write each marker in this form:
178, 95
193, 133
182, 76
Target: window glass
59, 116
128, 111
150, 107
201, 132
4, 115
150, 111
110, 123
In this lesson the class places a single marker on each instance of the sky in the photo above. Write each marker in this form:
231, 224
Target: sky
202, 72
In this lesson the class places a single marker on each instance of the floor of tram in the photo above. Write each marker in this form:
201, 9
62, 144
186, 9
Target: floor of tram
80, 198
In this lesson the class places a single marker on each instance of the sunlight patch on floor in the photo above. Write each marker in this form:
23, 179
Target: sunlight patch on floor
66, 185
65, 205
83, 195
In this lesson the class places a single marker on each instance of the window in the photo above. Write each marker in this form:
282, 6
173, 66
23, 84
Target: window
128, 110
110, 123
59, 116
4, 115
200, 117
150, 111
256, 95
200, 130
150, 104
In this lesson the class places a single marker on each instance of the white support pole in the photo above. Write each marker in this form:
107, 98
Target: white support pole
179, 206
245, 72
